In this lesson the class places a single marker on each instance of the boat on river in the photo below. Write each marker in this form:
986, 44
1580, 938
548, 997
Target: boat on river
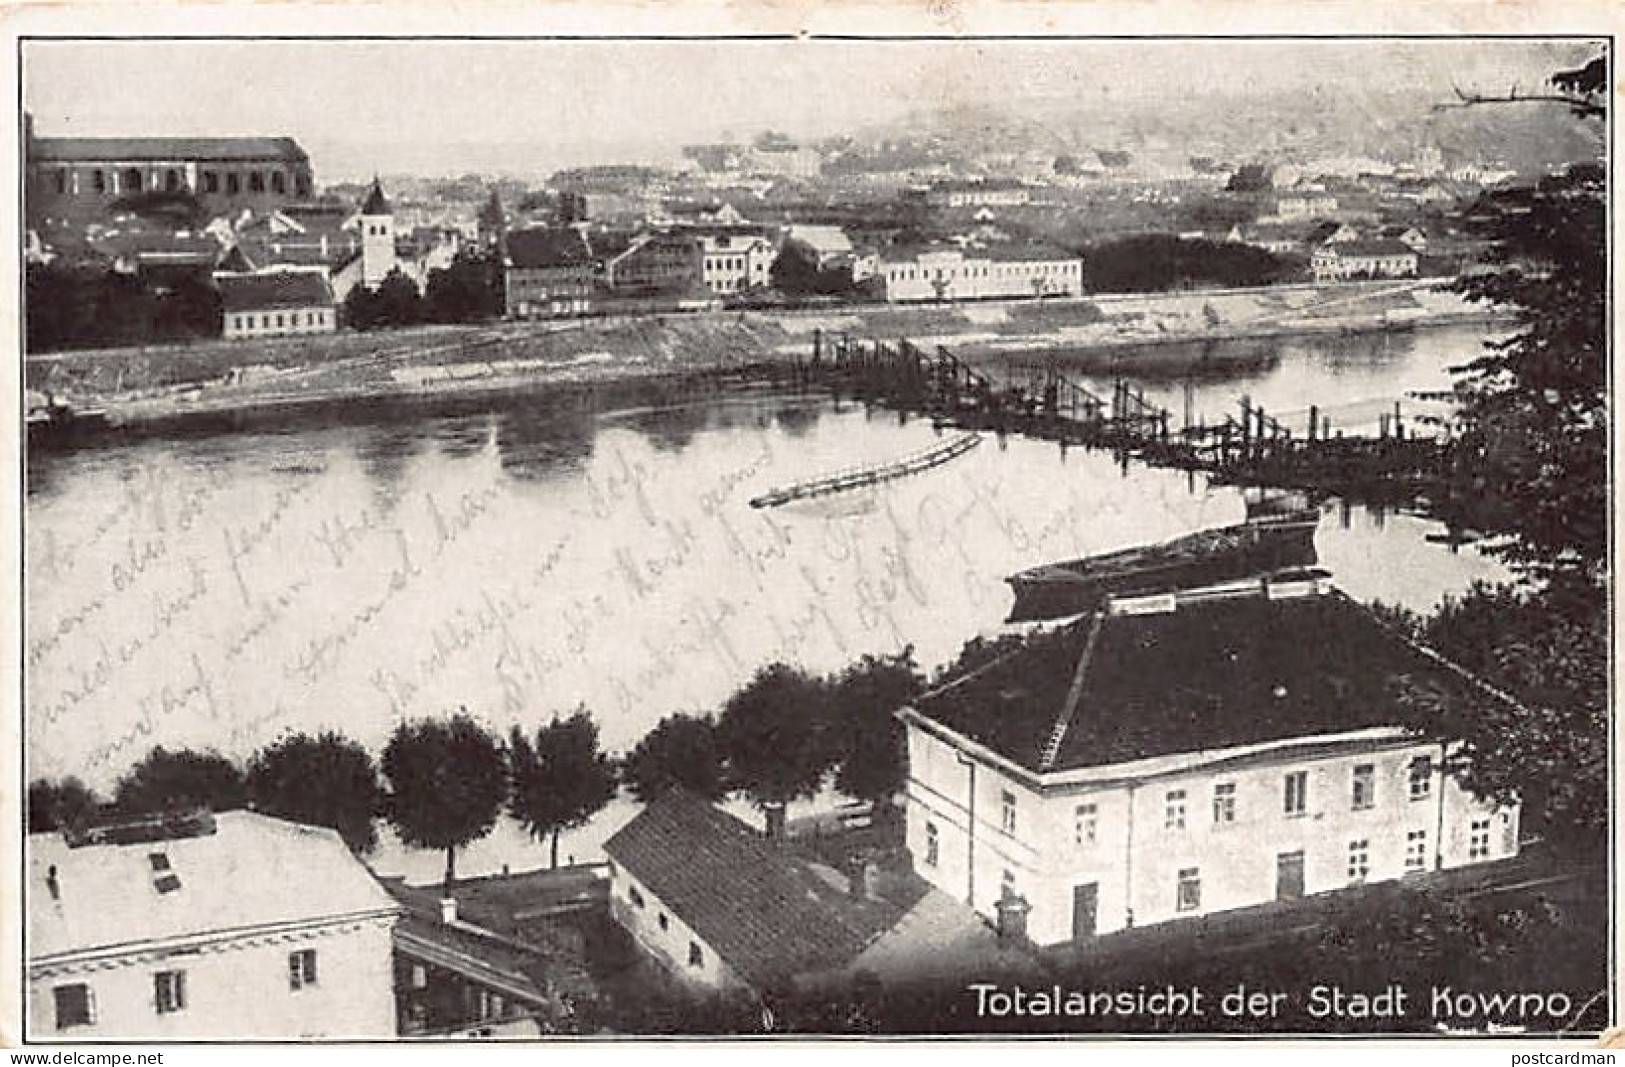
858, 477
1273, 538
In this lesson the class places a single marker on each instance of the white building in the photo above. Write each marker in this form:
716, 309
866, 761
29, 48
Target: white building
227, 927
1188, 753
377, 237
733, 261
996, 271
279, 302
1297, 208
1379, 258
978, 192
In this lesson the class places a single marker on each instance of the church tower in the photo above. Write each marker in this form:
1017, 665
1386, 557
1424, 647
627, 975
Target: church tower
377, 237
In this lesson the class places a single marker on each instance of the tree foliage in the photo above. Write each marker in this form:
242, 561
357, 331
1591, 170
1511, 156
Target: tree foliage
1548, 747
85, 307
559, 780
1156, 262
327, 780
469, 290
870, 744
172, 780
447, 782
796, 273
773, 734
57, 803
394, 303
681, 750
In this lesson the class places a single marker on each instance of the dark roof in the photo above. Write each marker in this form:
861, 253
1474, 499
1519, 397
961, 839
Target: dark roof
548, 247
274, 290
1380, 247
118, 149
1214, 673
762, 911
376, 203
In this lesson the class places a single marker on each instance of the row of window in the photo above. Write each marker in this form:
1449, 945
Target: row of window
1290, 868
276, 321
910, 274
696, 955
133, 180
75, 1004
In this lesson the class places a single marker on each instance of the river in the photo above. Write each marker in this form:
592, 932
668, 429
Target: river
213, 589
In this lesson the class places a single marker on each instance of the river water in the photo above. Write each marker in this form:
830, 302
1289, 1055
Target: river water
216, 589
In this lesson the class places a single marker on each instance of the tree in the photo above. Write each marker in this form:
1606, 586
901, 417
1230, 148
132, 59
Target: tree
1547, 746
466, 291
168, 781
55, 804
327, 780
397, 300
447, 782
774, 739
681, 750
559, 781
870, 742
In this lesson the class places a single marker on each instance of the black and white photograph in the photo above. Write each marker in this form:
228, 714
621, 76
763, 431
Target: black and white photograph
772, 535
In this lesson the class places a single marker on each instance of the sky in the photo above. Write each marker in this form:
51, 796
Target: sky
446, 107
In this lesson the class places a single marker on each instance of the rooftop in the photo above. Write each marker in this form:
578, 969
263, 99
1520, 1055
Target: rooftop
167, 149
759, 908
548, 247
252, 872
1212, 673
376, 203
1378, 247
274, 290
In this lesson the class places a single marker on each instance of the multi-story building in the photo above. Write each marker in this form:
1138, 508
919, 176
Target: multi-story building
978, 192
205, 927
735, 259
653, 263
1379, 258
1296, 208
1002, 271
1186, 753
548, 272
279, 302
80, 177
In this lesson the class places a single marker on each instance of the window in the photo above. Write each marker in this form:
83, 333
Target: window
172, 180
256, 182
301, 968
696, 958
635, 897
279, 184
1296, 799
1416, 850
75, 1006
420, 976
1365, 786
1190, 889
131, 181
1224, 802
1478, 844
932, 845
1359, 860
1007, 883
164, 879
1421, 777
98, 180
1085, 824
1007, 811
1173, 812
211, 182
61, 181
234, 184
169, 991
665, 923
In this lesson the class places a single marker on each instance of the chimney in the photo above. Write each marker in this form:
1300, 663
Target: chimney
1012, 911
448, 910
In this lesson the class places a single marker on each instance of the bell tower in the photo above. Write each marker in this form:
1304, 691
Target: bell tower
377, 237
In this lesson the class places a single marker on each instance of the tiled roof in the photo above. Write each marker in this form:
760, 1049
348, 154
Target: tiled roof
763, 912
275, 290
161, 149
548, 247
252, 872
1212, 674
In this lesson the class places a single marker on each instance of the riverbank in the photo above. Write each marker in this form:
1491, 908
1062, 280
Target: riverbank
1130, 334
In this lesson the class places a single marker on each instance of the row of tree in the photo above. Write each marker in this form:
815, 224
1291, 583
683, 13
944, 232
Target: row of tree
470, 289
443, 783
87, 307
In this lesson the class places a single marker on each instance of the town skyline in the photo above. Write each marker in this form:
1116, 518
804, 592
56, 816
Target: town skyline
615, 105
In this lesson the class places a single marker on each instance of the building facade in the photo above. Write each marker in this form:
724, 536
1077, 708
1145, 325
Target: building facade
994, 272
734, 261
1382, 258
548, 273
81, 177
280, 302
1185, 767
978, 192
227, 927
